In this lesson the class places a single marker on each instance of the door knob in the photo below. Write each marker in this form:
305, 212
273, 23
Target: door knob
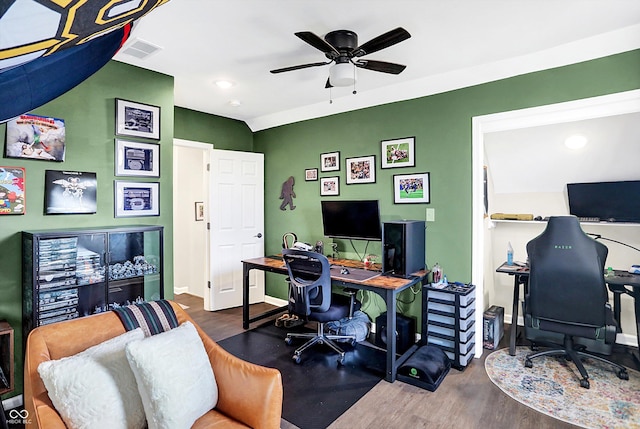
259, 235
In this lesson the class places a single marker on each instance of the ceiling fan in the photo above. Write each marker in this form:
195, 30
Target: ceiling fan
341, 48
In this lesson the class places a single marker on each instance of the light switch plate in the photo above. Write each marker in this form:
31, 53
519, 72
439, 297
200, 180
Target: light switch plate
431, 215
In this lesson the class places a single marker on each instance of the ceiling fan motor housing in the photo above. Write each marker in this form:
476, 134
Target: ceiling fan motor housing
344, 41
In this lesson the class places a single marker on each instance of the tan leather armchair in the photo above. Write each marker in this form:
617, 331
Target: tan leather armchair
249, 395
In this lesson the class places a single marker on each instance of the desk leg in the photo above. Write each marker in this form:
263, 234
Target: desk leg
391, 336
514, 315
636, 307
245, 296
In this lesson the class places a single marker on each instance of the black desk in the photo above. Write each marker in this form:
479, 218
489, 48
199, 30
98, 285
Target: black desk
386, 286
621, 283
520, 277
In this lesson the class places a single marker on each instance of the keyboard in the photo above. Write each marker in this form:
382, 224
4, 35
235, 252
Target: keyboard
589, 219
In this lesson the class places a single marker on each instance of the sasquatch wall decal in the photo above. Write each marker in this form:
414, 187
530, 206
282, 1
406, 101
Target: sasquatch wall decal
287, 195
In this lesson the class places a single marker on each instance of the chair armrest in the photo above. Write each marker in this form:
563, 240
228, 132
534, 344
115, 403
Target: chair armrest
249, 393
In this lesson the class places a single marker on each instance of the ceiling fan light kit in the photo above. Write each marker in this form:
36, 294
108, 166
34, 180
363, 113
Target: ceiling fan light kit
342, 74
341, 48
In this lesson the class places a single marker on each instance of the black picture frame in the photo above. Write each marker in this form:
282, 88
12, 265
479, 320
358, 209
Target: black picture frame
413, 188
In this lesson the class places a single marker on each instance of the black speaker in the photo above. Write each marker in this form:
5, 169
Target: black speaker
405, 332
403, 247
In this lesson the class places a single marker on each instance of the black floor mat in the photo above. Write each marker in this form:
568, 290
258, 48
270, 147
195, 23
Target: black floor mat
316, 391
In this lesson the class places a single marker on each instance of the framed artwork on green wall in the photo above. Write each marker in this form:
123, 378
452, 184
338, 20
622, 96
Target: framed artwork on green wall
311, 174
137, 120
330, 186
136, 198
411, 188
361, 169
137, 159
398, 152
330, 161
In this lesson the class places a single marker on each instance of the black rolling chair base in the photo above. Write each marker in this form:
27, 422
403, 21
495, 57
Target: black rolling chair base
574, 355
318, 338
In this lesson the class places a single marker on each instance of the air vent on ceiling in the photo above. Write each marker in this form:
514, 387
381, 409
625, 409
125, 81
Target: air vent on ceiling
140, 49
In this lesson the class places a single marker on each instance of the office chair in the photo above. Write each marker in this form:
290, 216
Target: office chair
567, 293
310, 297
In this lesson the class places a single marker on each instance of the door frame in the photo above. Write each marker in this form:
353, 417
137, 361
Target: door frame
205, 147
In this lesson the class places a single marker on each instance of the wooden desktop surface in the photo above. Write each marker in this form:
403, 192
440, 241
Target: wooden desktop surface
381, 281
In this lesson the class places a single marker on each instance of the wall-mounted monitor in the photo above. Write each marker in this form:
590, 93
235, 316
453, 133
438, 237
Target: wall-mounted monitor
609, 201
359, 220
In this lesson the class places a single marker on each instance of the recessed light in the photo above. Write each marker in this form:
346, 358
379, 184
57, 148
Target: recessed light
575, 141
235, 103
224, 84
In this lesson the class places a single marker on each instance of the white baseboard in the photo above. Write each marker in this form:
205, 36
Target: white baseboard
275, 301
180, 290
14, 402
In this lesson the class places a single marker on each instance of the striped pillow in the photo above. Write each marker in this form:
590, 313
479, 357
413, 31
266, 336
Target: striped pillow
153, 317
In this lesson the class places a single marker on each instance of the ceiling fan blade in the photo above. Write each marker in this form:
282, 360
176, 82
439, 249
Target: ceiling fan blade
385, 40
318, 43
380, 66
301, 66
328, 84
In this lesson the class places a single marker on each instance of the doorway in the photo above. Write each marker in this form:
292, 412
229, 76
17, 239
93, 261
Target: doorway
589, 108
190, 236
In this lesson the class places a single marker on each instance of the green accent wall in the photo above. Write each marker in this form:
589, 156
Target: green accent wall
441, 125
89, 114
223, 133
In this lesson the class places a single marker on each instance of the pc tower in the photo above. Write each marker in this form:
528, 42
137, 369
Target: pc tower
403, 247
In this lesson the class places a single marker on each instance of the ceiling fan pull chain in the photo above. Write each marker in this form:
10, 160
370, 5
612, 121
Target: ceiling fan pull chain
354, 80
330, 95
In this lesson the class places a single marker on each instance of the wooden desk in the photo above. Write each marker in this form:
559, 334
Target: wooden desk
386, 286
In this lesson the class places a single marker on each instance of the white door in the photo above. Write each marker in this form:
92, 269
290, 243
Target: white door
237, 226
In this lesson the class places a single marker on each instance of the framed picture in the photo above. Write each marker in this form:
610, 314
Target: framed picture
137, 120
411, 188
70, 192
35, 137
330, 161
330, 186
136, 198
361, 170
12, 195
311, 174
137, 159
199, 210
398, 152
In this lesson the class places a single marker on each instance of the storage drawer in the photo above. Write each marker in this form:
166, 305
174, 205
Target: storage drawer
450, 321
463, 336
450, 345
451, 308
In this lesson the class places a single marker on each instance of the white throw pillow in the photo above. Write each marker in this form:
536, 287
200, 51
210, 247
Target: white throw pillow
174, 376
96, 389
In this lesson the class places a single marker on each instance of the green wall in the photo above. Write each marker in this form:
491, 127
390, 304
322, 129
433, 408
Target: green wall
223, 133
89, 114
441, 125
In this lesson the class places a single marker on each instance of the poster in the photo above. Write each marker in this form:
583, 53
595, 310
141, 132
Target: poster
69, 192
12, 197
35, 137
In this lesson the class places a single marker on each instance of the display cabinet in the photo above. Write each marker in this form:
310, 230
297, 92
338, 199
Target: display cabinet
77, 272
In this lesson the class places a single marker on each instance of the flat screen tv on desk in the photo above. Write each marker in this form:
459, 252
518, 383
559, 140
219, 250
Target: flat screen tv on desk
359, 220
608, 201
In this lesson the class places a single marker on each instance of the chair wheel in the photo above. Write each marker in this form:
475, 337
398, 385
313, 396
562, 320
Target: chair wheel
353, 342
341, 361
296, 359
288, 341
623, 374
528, 363
584, 383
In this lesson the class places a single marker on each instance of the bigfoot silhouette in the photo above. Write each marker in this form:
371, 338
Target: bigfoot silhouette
287, 195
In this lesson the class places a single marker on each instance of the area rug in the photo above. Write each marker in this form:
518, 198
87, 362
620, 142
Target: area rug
552, 387
316, 391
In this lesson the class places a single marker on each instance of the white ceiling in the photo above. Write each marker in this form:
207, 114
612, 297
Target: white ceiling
536, 159
454, 44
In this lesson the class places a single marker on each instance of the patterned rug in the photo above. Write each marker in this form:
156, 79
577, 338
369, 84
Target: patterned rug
552, 387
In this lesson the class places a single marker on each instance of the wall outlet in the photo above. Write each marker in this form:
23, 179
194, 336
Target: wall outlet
431, 215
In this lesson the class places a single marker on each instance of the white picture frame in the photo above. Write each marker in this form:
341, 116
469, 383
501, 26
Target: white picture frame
361, 169
137, 119
133, 199
137, 159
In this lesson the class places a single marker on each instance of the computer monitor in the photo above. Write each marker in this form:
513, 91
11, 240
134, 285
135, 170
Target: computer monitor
359, 220
609, 201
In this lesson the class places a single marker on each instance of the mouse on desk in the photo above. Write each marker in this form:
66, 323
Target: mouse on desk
344, 271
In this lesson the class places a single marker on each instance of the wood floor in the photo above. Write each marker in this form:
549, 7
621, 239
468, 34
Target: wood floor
465, 399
